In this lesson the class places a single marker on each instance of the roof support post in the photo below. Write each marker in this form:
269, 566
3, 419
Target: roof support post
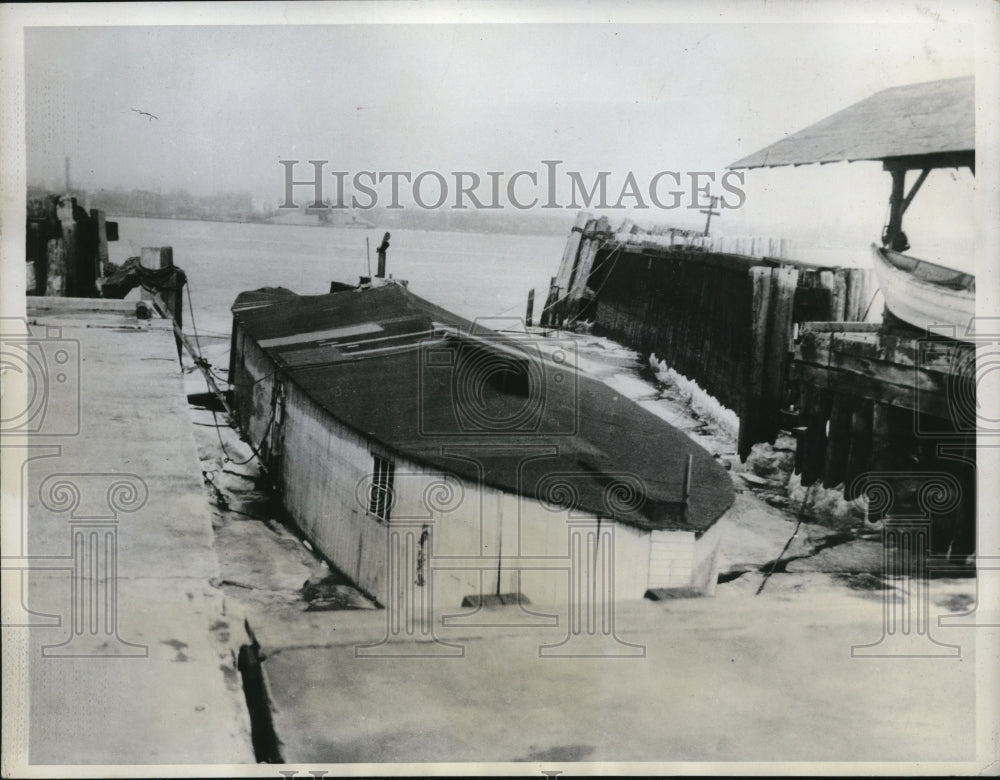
893, 237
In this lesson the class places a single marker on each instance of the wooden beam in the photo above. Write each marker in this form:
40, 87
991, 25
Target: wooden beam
839, 327
964, 159
874, 389
818, 343
915, 188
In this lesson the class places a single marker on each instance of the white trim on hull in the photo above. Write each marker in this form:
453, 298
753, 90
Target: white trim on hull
924, 304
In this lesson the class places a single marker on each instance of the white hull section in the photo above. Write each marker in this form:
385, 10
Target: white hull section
923, 304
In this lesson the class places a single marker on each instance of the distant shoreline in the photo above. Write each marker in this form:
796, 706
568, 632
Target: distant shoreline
358, 227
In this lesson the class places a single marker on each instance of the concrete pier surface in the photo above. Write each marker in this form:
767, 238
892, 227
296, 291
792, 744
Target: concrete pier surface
782, 676
140, 580
734, 678
127, 653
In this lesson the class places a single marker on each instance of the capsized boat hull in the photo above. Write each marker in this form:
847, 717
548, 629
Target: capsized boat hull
924, 294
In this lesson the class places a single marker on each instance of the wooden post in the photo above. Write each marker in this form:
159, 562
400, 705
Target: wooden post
101, 256
838, 441
881, 454
851, 295
860, 446
815, 437
55, 264
531, 307
779, 345
548, 318
895, 226
589, 247
163, 257
862, 293
37, 255
571, 251
585, 247
760, 280
687, 486
826, 283
838, 296
382, 248
64, 213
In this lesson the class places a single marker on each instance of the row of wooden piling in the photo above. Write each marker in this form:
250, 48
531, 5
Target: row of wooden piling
891, 417
726, 321
784, 298
785, 346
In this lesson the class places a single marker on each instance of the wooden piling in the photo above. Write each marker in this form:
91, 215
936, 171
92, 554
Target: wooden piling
531, 306
382, 249
815, 439
750, 423
55, 265
173, 299
101, 257
859, 452
594, 235
70, 258
687, 486
571, 251
779, 347
838, 296
881, 450
838, 440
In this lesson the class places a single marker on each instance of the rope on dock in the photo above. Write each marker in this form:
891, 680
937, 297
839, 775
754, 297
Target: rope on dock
206, 370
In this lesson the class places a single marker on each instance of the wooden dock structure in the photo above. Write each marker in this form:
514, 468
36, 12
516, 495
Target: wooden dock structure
725, 320
891, 416
874, 408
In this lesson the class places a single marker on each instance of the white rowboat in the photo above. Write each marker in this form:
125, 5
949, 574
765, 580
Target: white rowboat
925, 294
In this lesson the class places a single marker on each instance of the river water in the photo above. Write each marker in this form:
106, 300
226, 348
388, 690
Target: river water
475, 275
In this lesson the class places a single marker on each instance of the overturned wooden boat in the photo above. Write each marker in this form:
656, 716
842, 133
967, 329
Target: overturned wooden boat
376, 411
924, 294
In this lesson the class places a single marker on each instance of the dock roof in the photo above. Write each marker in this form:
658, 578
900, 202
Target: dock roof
423, 383
933, 121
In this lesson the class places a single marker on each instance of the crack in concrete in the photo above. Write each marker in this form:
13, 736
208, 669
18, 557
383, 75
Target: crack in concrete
780, 565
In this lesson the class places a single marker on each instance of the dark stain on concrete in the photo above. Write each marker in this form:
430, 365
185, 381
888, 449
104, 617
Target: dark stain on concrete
219, 628
862, 581
179, 646
957, 602
561, 753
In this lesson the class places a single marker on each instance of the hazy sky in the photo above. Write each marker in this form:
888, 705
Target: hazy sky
231, 101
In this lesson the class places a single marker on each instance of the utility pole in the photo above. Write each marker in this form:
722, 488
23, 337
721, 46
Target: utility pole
710, 211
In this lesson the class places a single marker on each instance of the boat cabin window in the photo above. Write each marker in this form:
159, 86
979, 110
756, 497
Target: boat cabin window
380, 495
